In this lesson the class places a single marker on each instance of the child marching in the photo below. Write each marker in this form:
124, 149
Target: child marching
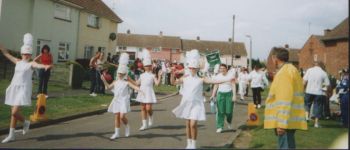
146, 82
192, 107
120, 104
19, 92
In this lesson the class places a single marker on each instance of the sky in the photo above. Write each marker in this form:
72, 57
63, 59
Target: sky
269, 22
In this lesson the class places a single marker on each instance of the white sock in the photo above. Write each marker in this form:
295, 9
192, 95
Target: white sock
193, 143
189, 144
10, 137
127, 130
144, 123
116, 130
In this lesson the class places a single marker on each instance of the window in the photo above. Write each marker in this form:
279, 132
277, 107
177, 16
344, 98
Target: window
101, 49
93, 21
156, 49
88, 51
140, 49
315, 57
63, 51
173, 50
62, 12
237, 56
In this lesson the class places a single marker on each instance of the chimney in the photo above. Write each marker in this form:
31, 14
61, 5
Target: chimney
326, 31
128, 31
198, 38
286, 46
161, 33
230, 39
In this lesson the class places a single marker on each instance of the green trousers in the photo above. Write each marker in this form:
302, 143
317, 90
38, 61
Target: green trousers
225, 108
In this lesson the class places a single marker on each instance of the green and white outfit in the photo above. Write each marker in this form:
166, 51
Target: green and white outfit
224, 102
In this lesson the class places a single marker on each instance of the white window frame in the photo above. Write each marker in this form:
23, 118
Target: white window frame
93, 21
156, 49
173, 50
315, 57
63, 51
62, 12
88, 51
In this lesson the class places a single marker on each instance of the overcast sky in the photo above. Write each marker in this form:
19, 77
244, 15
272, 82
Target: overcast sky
269, 22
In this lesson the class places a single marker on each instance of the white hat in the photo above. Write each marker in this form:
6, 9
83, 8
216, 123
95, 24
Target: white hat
192, 58
26, 49
122, 69
146, 56
28, 39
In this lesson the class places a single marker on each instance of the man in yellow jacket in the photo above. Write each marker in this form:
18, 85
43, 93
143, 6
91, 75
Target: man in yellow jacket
285, 110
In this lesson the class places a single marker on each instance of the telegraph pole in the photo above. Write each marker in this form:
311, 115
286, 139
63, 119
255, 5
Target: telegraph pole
233, 39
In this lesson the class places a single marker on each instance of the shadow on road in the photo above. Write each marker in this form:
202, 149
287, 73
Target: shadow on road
66, 136
152, 110
152, 135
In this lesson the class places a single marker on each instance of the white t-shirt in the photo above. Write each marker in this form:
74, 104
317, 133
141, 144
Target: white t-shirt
226, 86
243, 77
316, 78
258, 79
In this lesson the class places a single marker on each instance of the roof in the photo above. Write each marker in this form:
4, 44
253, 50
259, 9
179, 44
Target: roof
341, 31
140, 40
238, 48
293, 54
98, 8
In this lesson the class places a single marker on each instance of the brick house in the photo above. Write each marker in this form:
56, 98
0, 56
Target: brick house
331, 48
293, 58
226, 49
160, 46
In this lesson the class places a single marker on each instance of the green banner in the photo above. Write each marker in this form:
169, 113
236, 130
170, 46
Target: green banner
213, 58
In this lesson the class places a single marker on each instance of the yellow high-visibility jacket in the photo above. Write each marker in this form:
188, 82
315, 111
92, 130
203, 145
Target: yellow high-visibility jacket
285, 103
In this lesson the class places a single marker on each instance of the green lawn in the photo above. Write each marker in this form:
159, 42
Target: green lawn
165, 89
312, 138
60, 107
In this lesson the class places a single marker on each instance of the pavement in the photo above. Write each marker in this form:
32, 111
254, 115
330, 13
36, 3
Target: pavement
167, 132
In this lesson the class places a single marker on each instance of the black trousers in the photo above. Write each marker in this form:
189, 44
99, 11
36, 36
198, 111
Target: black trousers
43, 80
326, 108
256, 95
99, 83
92, 80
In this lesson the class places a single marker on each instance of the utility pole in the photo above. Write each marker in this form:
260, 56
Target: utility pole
250, 52
233, 39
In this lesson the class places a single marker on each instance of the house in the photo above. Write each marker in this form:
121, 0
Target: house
226, 49
293, 58
61, 24
161, 46
97, 28
330, 48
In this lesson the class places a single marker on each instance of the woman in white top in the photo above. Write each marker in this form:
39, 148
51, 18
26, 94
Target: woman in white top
99, 68
146, 82
192, 107
243, 81
225, 98
19, 92
120, 104
258, 83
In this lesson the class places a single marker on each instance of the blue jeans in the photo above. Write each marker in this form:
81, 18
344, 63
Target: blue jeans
287, 140
317, 100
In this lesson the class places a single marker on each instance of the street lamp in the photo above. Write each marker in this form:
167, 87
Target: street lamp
250, 52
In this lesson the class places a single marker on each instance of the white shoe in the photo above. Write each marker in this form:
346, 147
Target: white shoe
114, 136
219, 130
144, 125
259, 105
193, 145
189, 144
93, 94
26, 125
317, 126
229, 126
150, 121
127, 131
46, 96
8, 139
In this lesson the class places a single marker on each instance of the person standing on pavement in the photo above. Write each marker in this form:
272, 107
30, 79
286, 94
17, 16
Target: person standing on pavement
146, 82
315, 80
192, 107
225, 100
46, 59
120, 104
284, 111
243, 81
258, 81
99, 69
93, 74
19, 92
343, 89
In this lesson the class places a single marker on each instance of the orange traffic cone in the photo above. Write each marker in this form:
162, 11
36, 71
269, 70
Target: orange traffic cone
39, 113
253, 118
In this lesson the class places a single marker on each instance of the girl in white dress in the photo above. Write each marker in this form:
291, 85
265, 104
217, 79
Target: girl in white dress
192, 107
146, 82
120, 104
19, 92
243, 81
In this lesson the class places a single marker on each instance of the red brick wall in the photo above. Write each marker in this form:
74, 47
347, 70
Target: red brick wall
311, 48
337, 56
165, 53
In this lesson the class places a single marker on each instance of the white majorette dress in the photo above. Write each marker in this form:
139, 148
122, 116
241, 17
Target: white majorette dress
192, 105
147, 80
19, 92
121, 99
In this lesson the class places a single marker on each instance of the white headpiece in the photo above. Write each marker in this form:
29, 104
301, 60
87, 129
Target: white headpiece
27, 44
146, 57
192, 58
123, 62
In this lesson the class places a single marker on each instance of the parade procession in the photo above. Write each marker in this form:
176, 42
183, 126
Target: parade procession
74, 75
